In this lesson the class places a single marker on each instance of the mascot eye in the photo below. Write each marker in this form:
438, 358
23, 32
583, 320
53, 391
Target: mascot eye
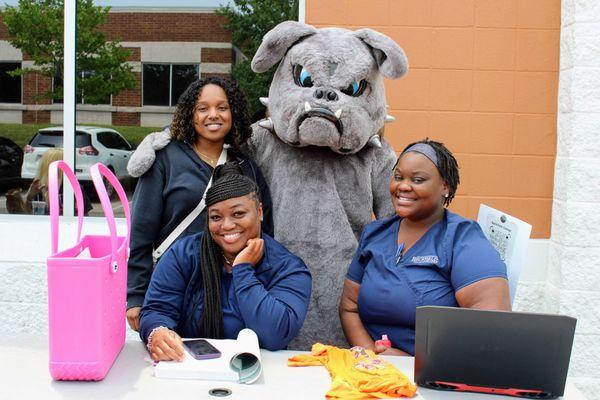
355, 89
302, 77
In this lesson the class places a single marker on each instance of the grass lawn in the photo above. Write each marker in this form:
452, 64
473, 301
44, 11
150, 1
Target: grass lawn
21, 134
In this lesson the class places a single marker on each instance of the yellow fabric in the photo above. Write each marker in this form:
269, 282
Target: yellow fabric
356, 373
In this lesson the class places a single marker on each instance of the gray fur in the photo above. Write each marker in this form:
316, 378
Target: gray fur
277, 41
143, 157
390, 58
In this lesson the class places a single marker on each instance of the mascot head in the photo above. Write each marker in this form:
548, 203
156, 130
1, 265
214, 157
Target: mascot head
328, 89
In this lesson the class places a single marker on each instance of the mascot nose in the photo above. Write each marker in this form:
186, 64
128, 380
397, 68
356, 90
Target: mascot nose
328, 94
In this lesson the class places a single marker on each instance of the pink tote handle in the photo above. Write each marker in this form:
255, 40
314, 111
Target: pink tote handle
97, 171
54, 202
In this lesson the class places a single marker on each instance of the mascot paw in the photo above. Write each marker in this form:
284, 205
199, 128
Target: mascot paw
143, 157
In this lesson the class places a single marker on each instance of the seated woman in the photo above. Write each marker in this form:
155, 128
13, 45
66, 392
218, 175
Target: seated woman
230, 277
424, 255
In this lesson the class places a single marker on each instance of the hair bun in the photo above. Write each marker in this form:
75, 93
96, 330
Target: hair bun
229, 181
229, 168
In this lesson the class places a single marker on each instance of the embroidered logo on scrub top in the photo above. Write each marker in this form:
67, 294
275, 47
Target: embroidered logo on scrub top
425, 259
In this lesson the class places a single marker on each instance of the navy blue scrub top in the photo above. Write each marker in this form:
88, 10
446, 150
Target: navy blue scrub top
452, 254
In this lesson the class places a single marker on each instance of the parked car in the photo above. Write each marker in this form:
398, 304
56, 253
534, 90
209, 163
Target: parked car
92, 144
11, 158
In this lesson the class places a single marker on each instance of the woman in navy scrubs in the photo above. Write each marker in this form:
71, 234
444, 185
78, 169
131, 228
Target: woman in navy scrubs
424, 255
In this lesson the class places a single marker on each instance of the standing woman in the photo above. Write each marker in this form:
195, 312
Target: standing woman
424, 255
210, 114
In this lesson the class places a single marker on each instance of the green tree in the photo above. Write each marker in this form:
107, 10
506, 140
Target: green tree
36, 28
249, 21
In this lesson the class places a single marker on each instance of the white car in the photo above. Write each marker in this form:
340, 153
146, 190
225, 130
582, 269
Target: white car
92, 144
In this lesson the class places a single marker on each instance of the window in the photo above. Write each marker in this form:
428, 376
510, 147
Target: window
113, 140
119, 143
55, 139
164, 83
11, 85
183, 75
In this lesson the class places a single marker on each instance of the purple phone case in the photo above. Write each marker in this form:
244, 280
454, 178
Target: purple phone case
215, 353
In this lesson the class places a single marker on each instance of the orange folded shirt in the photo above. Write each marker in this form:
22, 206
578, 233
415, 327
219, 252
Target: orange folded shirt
356, 373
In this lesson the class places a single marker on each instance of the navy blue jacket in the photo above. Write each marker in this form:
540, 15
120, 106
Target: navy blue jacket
271, 299
164, 196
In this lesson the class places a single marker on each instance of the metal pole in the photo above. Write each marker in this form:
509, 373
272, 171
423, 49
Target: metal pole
70, 32
302, 11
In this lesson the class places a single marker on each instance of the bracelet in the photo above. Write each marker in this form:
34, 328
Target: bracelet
151, 335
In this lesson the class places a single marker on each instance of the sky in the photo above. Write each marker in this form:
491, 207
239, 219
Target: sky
144, 3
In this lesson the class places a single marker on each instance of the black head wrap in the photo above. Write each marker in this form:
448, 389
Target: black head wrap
228, 183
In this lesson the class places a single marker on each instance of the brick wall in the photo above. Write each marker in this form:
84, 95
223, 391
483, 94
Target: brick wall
160, 27
136, 53
130, 98
224, 76
166, 27
126, 118
35, 85
36, 117
482, 79
209, 55
3, 30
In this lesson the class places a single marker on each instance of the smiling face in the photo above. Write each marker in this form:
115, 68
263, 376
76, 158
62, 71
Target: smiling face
212, 116
417, 188
233, 222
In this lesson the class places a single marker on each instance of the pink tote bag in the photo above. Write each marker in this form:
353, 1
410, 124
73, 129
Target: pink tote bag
87, 285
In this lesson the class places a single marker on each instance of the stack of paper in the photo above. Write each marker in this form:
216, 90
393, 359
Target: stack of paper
239, 362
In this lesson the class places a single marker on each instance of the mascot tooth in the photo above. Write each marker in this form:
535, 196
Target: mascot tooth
266, 123
389, 118
338, 113
307, 106
375, 141
264, 101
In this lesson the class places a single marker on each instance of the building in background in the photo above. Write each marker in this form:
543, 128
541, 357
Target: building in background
170, 48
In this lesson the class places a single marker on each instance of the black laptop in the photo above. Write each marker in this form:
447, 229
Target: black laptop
509, 353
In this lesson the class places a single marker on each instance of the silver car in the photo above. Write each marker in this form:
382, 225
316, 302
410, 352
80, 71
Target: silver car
92, 144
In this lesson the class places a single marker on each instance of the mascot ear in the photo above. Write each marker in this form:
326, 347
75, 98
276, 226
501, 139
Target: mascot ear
389, 56
277, 42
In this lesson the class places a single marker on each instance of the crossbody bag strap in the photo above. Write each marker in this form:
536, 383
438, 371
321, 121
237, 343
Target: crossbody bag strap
160, 250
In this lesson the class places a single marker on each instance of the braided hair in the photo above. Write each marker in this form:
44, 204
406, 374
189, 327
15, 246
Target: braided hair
229, 182
182, 127
446, 166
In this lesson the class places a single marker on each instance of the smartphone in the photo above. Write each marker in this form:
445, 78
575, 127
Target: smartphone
200, 349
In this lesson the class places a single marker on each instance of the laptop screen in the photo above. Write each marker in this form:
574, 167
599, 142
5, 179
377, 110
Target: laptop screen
493, 349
